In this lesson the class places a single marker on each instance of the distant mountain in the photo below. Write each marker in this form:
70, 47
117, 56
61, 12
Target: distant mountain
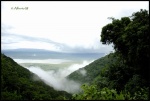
26, 53
43, 50
17, 84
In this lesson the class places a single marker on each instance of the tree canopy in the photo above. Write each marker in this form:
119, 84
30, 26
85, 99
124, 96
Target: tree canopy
17, 84
126, 78
130, 37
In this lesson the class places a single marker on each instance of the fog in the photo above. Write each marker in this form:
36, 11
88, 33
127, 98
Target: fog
83, 72
56, 78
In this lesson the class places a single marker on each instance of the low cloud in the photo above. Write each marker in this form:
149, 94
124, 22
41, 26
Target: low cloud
83, 72
57, 78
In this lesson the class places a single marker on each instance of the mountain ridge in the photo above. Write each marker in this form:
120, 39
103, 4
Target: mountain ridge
18, 84
92, 70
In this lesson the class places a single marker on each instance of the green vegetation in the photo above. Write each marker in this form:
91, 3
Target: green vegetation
92, 70
122, 75
131, 41
92, 93
17, 84
126, 78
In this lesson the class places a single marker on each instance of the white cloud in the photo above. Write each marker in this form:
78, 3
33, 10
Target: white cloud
76, 24
83, 72
28, 44
57, 78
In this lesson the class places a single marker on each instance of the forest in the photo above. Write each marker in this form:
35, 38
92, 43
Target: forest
125, 73
121, 75
17, 84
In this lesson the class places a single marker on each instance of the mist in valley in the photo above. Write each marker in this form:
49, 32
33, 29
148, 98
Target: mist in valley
57, 78
53, 71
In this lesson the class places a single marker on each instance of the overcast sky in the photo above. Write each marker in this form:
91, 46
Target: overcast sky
66, 26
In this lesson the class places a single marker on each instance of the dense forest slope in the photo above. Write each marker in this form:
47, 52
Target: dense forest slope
128, 75
92, 71
17, 84
108, 78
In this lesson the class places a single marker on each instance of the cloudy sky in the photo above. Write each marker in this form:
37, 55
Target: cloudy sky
65, 26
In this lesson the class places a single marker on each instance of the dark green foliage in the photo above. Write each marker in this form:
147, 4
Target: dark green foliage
131, 40
129, 73
92, 93
92, 70
118, 75
17, 84
135, 83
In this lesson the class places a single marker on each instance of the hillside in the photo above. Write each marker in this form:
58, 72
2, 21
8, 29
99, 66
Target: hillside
128, 75
17, 84
92, 71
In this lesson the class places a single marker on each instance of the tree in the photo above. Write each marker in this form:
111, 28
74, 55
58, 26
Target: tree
130, 37
92, 93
